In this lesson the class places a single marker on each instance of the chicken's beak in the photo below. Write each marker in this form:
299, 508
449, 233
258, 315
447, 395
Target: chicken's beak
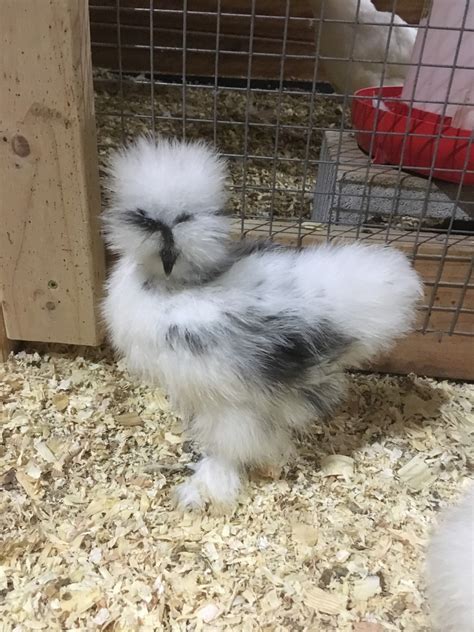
168, 258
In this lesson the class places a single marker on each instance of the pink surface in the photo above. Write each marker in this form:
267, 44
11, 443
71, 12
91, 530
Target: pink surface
438, 47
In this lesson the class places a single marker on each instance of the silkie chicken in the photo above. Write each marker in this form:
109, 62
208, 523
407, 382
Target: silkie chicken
250, 339
356, 30
450, 568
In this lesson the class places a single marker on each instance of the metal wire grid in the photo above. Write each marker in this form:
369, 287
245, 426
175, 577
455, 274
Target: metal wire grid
257, 212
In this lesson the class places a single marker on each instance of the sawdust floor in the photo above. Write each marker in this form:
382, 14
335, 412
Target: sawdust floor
90, 540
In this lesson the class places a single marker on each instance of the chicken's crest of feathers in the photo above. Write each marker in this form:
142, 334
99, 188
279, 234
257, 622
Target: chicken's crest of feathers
167, 175
166, 205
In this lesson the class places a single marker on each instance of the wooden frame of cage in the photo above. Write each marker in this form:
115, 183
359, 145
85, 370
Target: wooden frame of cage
52, 262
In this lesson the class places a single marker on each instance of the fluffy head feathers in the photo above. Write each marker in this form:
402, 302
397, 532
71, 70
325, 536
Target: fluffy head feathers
166, 203
168, 175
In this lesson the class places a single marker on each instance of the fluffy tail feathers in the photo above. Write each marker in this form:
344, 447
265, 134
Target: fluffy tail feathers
372, 292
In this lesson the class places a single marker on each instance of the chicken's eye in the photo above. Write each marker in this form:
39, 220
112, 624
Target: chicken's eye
184, 217
140, 219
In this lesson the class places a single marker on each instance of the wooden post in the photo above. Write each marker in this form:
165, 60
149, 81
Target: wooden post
6, 345
51, 254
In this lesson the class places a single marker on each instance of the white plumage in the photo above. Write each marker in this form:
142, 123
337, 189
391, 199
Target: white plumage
249, 339
354, 29
450, 568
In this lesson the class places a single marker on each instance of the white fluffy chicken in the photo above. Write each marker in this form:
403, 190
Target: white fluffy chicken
450, 568
356, 30
250, 339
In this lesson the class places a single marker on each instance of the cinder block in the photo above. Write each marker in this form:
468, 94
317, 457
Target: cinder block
349, 186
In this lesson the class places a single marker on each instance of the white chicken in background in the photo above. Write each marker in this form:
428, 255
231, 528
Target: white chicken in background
450, 568
250, 339
366, 35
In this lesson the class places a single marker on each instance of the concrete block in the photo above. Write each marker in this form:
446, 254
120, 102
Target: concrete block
349, 186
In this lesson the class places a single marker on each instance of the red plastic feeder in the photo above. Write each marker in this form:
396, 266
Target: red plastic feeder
393, 134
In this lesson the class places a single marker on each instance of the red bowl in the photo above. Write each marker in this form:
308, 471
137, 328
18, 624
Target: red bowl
392, 134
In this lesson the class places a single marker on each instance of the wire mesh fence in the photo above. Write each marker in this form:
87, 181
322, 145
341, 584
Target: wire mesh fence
270, 83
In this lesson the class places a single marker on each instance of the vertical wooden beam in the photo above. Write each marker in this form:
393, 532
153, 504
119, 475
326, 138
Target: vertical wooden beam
6, 345
51, 254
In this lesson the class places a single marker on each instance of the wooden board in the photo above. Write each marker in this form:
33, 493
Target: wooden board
201, 28
432, 354
51, 254
448, 282
6, 345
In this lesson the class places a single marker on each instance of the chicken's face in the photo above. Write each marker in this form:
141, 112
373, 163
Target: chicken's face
166, 211
183, 245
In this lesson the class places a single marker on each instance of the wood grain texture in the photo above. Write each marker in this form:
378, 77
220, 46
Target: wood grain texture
6, 345
448, 281
201, 28
51, 254
432, 354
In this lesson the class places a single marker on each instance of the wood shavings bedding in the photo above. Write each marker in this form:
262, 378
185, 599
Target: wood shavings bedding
90, 539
